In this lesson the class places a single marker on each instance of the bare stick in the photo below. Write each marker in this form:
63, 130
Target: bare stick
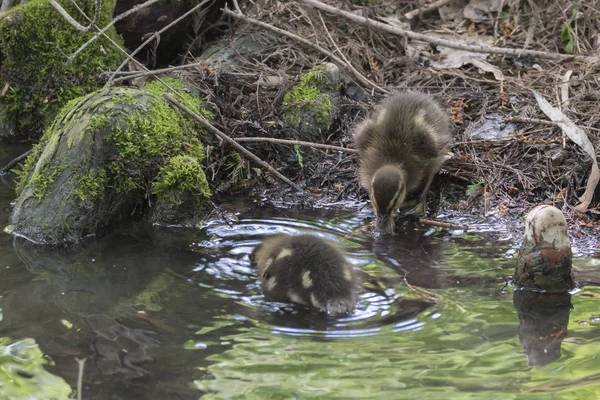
136, 74
6, 5
530, 121
296, 142
15, 161
81, 364
431, 7
320, 49
444, 42
232, 142
441, 224
76, 24
154, 36
107, 27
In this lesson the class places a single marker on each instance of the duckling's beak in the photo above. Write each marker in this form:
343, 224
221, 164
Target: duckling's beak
384, 223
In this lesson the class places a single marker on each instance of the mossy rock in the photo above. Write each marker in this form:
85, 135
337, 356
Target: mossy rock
111, 156
35, 42
310, 106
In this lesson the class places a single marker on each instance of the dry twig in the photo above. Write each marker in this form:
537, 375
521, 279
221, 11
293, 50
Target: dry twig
296, 142
320, 49
229, 140
431, 7
151, 38
107, 27
444, 42
441, 224
76, 24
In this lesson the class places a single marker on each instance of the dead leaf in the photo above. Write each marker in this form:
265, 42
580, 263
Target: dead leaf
478, 10
454, 58
487, 67
577, 135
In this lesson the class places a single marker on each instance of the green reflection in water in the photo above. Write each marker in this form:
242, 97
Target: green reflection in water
473, 354
22, 375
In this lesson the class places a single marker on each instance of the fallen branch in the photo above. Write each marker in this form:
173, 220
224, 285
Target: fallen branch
81, 366
232, 142
530, 121
107, 27
296, 142
431, 7
76, 24
320, 49
151, 38
444, 42
15, 161
441, 224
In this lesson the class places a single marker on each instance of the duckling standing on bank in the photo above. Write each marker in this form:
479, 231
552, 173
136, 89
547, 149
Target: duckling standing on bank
308, 270
401, 148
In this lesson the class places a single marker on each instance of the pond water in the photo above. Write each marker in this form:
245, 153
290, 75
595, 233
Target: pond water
177, 314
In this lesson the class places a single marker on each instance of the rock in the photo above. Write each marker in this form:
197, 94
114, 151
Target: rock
109, 157
545, 257
310, 106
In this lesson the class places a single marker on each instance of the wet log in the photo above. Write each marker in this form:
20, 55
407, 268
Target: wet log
110, 157
545, 257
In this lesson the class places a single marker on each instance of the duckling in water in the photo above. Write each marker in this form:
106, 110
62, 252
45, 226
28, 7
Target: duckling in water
401, 148
308, 270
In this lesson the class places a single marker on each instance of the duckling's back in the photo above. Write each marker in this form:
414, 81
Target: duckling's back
308, 270
408, 128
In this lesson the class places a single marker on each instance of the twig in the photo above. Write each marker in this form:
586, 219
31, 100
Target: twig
81, 364
76, 24
15, 161
441, 224
432, 295
152, 37
431, 7
232, 142
444, 42
136, 74
296, 142
320, 49
107, 27
530, 121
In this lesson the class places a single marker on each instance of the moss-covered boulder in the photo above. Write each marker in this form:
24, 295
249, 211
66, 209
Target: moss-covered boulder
108, 157
35, 43
310, 105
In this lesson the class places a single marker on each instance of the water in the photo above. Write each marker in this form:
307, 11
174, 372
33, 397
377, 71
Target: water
177, 314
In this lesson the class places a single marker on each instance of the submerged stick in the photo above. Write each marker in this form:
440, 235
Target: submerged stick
444, 42
296, 142
441, 224
15, 161
81, 364
232, 142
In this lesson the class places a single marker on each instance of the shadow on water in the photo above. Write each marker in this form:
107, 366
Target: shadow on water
178, 314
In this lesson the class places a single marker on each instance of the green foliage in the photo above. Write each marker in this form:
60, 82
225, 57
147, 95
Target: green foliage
91, 186
298, 155
568, 34
181, 174
22, 373
44, 179
307, 98
35, 41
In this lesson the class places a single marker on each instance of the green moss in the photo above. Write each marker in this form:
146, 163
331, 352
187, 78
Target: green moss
35, 41
180, 174
307, 98
90, 187
44, 179
146, 141
190, 101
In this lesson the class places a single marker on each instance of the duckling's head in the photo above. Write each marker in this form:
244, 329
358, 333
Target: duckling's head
388, 191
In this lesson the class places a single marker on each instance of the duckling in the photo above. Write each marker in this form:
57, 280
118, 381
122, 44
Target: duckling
401, 148
308, 270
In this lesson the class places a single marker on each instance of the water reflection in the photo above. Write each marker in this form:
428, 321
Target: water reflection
543, 321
